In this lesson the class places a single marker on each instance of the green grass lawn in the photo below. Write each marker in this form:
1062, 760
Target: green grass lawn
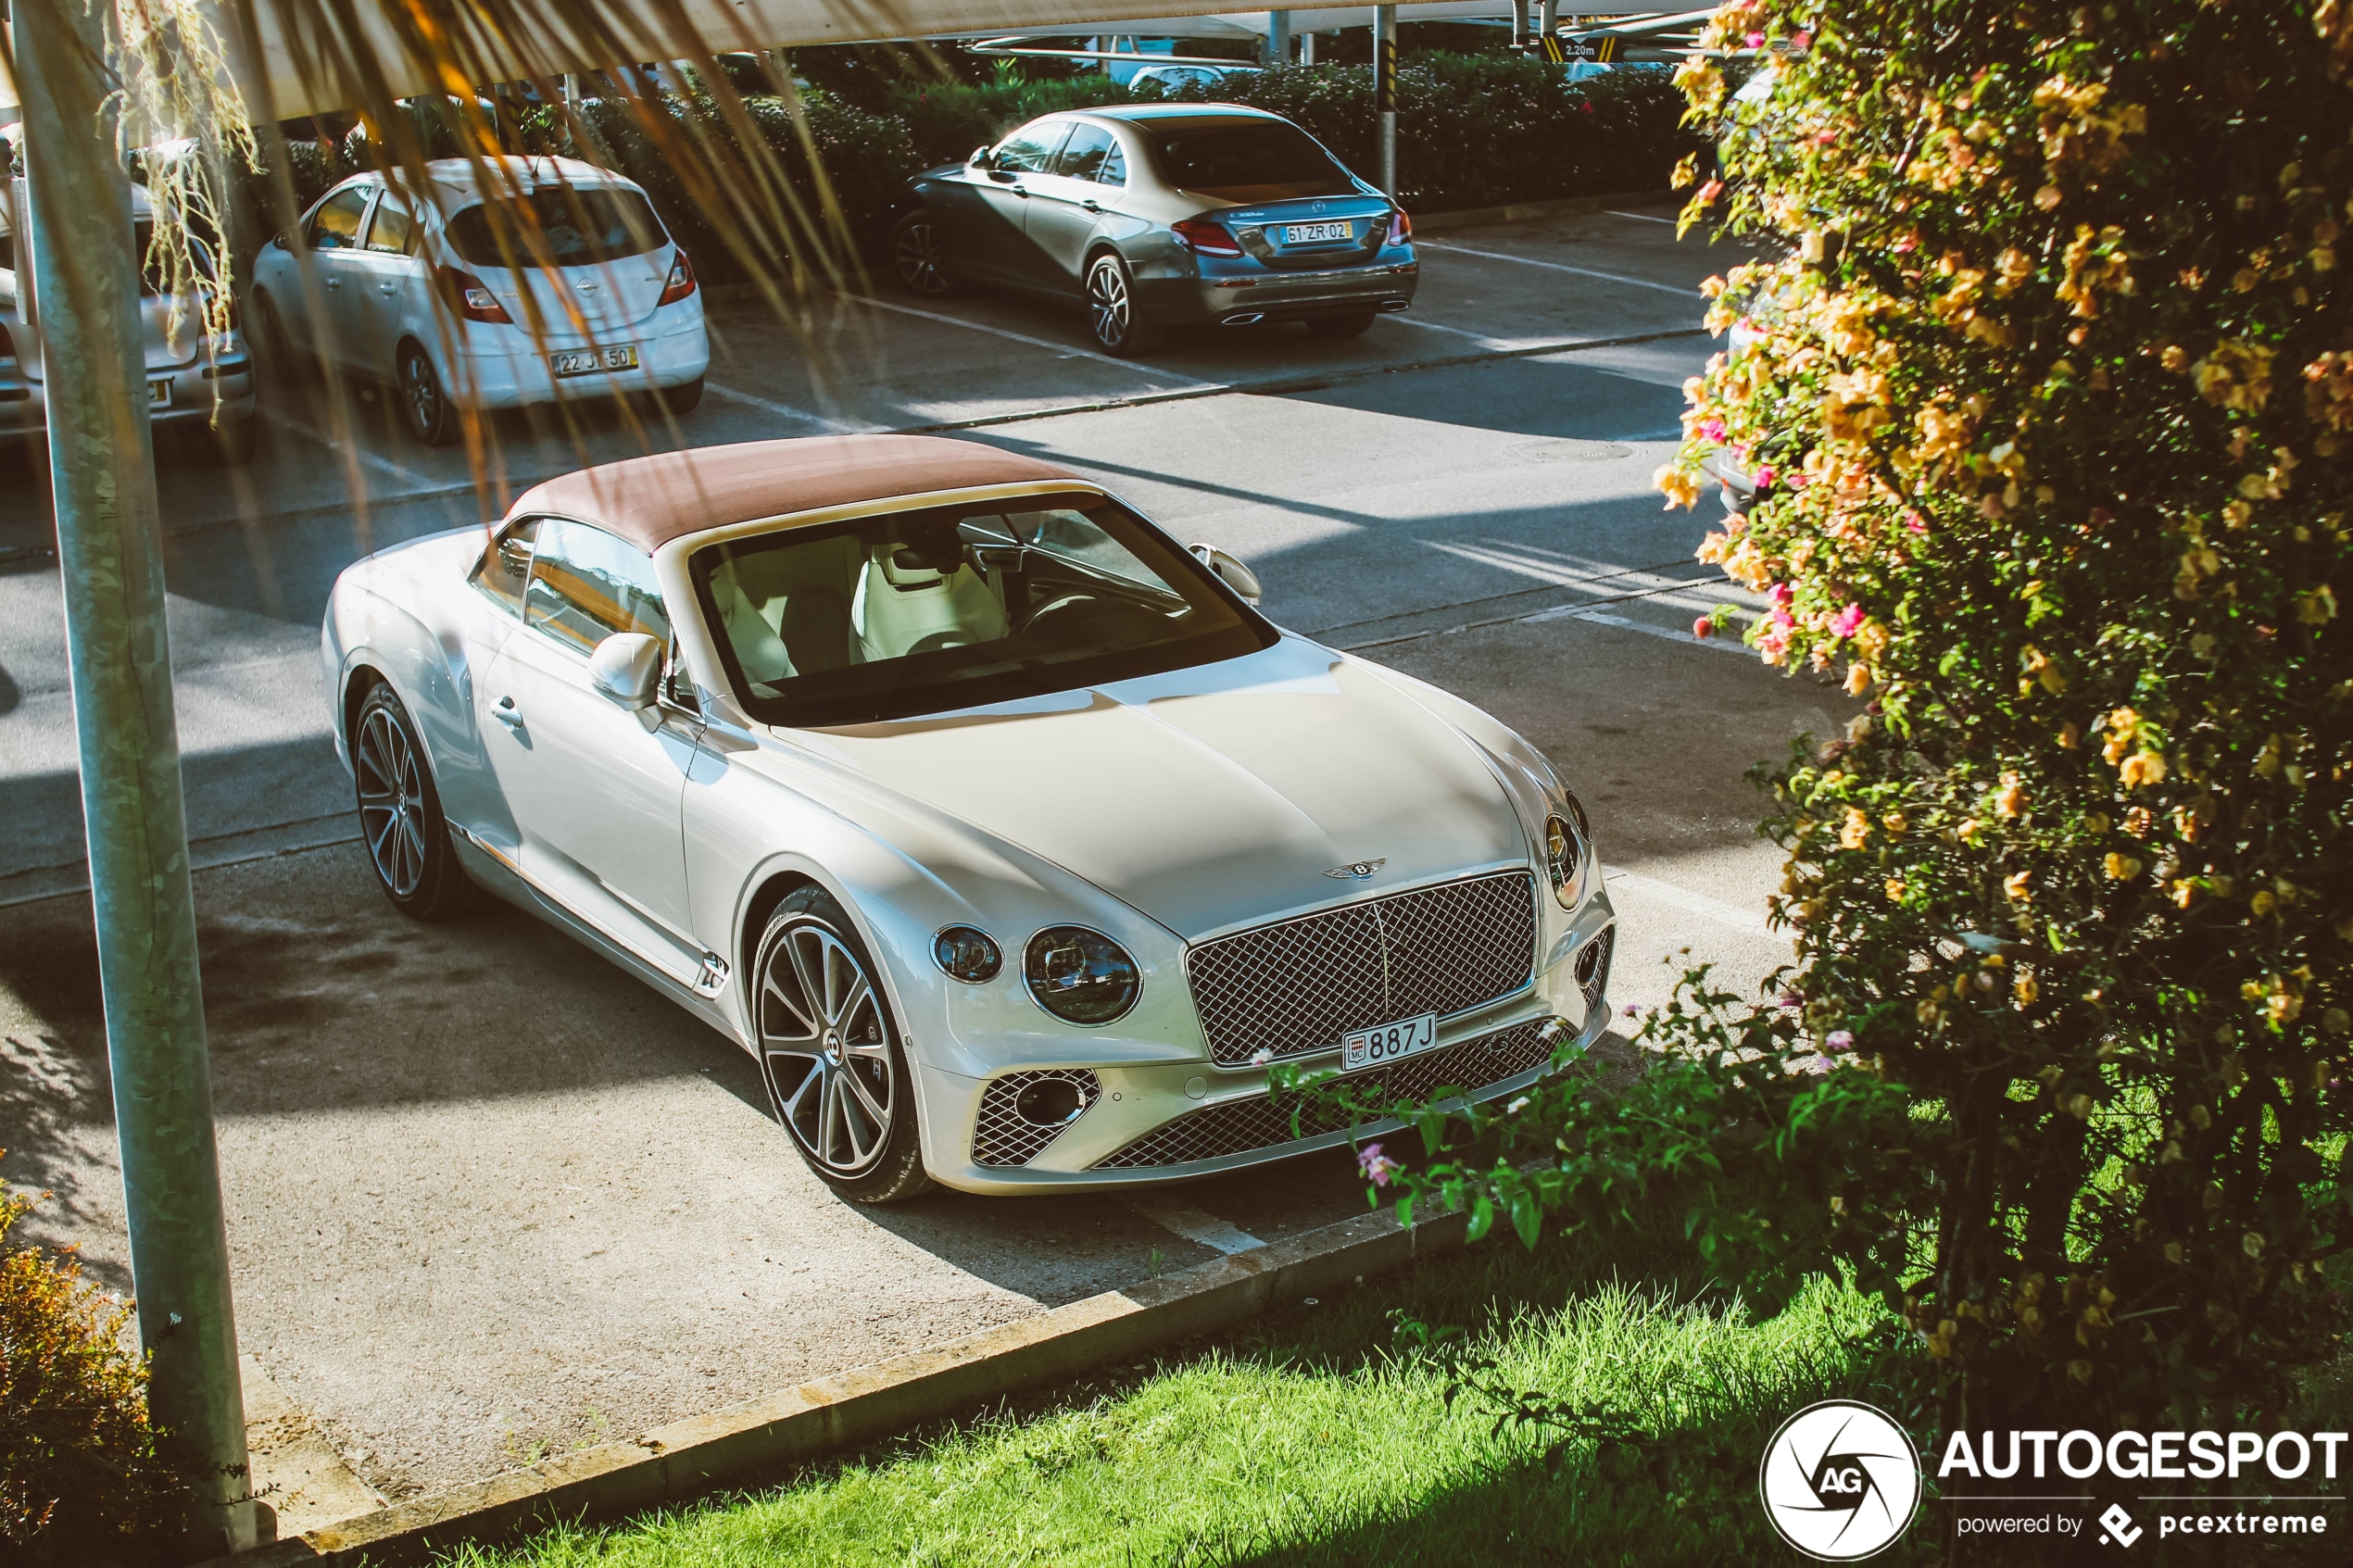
1320, 1437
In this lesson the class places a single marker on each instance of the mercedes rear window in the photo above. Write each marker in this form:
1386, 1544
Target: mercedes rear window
571, 228
1227, 155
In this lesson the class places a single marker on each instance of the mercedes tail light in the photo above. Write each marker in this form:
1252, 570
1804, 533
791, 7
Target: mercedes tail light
1207, 238
1401, 228
681, 283
469, 296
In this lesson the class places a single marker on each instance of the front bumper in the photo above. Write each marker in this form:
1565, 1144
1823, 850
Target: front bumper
1149, 1111
1241, 291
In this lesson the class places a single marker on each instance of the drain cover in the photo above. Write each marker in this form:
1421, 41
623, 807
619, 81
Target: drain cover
1558, 449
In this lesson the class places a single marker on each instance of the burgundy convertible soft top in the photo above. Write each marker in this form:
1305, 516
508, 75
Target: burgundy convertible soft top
650, 501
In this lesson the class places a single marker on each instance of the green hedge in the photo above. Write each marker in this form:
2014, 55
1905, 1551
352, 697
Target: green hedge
1473, 131
1484, 130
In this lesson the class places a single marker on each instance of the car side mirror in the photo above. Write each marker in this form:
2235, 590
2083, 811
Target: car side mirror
980, 158
284, 239
626, 667
1231, 573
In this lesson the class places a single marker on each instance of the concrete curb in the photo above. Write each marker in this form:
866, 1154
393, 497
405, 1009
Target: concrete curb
758, 1441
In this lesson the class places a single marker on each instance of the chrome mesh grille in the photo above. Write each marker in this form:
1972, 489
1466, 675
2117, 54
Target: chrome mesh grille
1003, 1135
1298, 986
1258, 1122
1593, 967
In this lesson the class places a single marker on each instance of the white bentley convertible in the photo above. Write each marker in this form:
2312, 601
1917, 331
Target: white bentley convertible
1001, 830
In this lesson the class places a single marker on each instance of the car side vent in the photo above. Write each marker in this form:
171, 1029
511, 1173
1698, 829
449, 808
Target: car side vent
1592, 968
1022, 1112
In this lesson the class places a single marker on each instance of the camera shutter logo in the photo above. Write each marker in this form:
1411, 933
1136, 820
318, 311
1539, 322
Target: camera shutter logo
1839, 1481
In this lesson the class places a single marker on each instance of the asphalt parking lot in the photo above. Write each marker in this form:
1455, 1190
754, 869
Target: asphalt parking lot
488, 1199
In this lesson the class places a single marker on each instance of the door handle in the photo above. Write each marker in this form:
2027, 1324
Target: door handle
386, 288
1020, 191
507, 713
333, 281
1091, 204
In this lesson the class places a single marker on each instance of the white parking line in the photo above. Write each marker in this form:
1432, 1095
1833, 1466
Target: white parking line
1678, 289
377, 461
1194, 1224
1638, 217
1061, 348
782, 410
1673, 634
1691, 903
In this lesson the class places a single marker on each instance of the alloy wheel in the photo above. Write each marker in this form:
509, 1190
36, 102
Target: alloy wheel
824, 1048
392, 802
1109, 308
421, 390
917, 254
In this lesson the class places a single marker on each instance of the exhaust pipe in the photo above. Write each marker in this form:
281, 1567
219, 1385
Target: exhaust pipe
1393, 305
1244, 318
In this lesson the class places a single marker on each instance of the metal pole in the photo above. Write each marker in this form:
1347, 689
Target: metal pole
1385, 92
1279, 38
1306, 48
109, 544
1519, 23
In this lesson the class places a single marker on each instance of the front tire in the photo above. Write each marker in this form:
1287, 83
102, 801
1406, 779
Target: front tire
424, 407
915, 255
1113, 312
400, 821
830, 1055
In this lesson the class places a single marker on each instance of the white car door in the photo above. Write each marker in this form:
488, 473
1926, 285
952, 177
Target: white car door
377, 280
595, 791
330, 237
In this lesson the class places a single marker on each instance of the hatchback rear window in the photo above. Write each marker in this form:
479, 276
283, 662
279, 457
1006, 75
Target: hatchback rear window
577, 228
1222, 155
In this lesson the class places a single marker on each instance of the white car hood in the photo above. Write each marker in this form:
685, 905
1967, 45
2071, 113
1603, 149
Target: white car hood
1213, 797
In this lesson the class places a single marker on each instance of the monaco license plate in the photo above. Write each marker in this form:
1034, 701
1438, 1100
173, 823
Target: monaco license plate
586, 361
159, 393
1388, 1042
1308, 234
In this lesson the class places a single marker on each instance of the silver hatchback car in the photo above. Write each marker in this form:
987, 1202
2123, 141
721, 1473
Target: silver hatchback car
1159, 214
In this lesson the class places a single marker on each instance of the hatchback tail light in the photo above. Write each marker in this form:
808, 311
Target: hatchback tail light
681, 283
1207, 238
1401, 228
469, 296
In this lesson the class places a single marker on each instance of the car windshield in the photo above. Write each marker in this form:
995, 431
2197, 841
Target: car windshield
924, 611
1245, 160
578, 227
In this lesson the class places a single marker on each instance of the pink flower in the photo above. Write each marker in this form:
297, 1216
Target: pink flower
1782, 621
1845, 623
1756, 40
1586, 108
1841, 1040
1703, 627
1792, 999
1764, 478
1801, 40
1712, 429
1377, 1167
1798, 482
1914, 521
1261, 1057
1781, 594
1710, 191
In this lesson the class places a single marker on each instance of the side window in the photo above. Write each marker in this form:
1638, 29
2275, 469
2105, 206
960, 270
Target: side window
1031, 150
587, 585
1082, 155
335, 225
1114, 170
505, 565
392, 232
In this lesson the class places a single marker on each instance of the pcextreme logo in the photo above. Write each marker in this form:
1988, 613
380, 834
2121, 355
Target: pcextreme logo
1839, 1481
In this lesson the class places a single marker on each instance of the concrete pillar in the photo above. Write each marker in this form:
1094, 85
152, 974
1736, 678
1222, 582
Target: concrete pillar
1279, 38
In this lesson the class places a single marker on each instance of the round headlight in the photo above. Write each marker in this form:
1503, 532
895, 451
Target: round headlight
967, 954
1080, 976
1566, 858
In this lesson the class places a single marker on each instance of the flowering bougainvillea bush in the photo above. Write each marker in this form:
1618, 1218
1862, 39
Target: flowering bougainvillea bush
2052, 393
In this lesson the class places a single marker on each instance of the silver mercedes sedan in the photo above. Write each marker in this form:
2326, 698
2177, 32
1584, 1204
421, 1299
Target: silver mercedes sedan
1160, 215
1018, 848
